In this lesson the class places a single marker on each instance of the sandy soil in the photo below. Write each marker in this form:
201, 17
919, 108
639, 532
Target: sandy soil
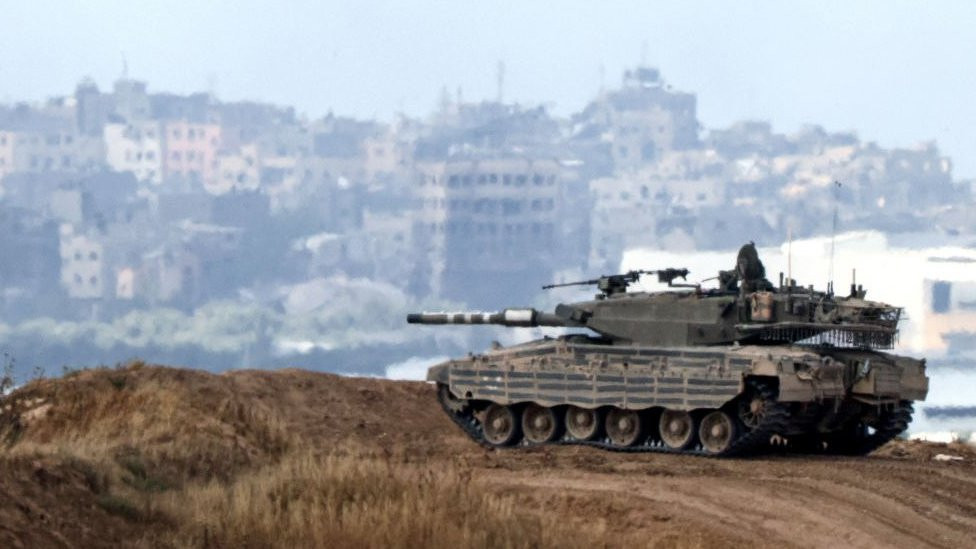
900, 496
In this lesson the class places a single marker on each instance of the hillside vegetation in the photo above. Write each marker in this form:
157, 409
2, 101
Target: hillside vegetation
148, 456
151, 456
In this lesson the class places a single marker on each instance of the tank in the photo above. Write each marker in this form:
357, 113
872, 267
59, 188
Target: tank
739, 368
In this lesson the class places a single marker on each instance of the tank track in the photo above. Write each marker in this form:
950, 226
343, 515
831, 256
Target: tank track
857, 441
776, 421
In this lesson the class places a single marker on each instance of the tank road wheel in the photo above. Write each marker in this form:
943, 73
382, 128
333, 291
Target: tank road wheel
582, 424
540, 424
716, 432
677, 429
623, 427
501, 425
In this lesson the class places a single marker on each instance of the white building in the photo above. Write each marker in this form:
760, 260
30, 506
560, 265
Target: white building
135, 148
82, 265
236, 171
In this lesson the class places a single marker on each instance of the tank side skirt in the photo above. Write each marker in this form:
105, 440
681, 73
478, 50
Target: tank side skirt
629, 390
591, 375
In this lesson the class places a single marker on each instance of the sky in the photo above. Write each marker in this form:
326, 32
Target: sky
897, 73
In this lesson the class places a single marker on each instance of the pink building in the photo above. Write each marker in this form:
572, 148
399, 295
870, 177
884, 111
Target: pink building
190, 150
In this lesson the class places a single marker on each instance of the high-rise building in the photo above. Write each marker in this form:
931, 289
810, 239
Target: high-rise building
488, 228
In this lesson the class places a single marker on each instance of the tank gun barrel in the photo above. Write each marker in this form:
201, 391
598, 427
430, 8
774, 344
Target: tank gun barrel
576, 283
507, 317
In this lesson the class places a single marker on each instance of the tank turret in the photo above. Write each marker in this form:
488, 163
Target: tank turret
745, 309
725, 370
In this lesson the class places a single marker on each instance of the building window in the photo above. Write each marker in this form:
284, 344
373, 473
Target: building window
941, 292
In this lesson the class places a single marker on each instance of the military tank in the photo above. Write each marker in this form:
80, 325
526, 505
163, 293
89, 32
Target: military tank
741, 368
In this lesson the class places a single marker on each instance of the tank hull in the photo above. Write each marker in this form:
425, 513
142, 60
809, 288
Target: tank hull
815, 397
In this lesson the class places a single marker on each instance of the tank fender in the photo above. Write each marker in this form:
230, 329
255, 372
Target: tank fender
439, 373
914, 382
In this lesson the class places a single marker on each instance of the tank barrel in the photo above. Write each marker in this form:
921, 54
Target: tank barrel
506, 317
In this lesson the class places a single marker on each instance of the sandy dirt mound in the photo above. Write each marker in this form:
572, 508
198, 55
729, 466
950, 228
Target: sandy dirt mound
71, 446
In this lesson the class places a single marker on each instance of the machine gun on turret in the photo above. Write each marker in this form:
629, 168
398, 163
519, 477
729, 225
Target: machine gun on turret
617, 283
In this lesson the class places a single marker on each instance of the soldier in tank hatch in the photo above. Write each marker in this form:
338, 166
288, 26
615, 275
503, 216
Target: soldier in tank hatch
750, 270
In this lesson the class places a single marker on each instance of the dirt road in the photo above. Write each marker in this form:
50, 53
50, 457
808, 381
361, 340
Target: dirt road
906, 501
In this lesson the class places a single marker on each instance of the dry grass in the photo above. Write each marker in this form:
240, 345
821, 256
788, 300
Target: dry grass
347, 501
118, 414
207, 468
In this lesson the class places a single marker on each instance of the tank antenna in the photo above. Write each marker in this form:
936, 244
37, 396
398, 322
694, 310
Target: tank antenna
789, 259
833, 235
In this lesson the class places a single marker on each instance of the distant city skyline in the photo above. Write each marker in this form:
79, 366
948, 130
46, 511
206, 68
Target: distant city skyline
897, 73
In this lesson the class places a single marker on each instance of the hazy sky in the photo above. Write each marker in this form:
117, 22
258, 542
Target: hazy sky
895, 72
